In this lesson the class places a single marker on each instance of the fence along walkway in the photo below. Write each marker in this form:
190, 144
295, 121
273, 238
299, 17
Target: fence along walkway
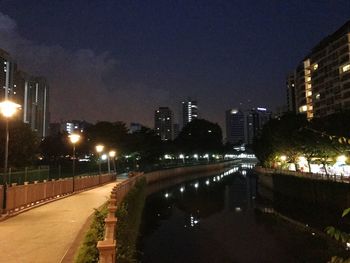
19, 197
44, 234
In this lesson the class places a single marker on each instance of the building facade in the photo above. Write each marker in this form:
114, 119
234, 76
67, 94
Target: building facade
32, 93
74, 126
135, 127
7, 70
322, 79
235, 131
255, 120
163, 123
189, 111
290, 85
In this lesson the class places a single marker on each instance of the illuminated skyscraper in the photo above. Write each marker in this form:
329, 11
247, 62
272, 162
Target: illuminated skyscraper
189, 111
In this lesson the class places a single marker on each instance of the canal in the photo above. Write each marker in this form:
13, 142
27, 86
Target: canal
222, 218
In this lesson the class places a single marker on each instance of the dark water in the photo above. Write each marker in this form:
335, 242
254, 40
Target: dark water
218, 219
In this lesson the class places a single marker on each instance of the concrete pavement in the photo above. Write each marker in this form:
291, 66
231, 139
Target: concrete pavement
45, 234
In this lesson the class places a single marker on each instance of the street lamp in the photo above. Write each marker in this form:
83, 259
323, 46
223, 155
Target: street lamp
181, 156
7, 109
112, 154
74, 138
99, 149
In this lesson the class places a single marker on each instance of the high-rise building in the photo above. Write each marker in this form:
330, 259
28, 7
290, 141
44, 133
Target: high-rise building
134, 127
163, 123
176, 130
74, 126
322, 80
290, 83
32, 93
189, 111
235, 126
8, 67
255, 120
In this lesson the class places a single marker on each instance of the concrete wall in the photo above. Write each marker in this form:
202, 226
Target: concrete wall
164, 179
315, 191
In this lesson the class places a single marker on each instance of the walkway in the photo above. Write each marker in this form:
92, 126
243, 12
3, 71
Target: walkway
45, 234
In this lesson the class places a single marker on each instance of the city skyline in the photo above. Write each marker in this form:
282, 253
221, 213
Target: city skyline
207, 51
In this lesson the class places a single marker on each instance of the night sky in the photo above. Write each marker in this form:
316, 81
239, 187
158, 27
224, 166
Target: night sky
120, 60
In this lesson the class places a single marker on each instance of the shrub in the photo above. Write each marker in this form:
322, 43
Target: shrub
88, 252
129, 215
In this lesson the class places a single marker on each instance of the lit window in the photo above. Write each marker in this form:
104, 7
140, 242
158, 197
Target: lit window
309, 93
345, 68
308, 79
303, 108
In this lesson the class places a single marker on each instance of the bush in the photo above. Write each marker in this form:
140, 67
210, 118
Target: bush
129, 215
88, 252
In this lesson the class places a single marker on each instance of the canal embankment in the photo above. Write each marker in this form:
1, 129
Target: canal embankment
154, 180
305, 188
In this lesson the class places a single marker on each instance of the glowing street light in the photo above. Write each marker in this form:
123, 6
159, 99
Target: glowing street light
181, 156
112, 154
206, 156
74, 138
8, 108
99, 148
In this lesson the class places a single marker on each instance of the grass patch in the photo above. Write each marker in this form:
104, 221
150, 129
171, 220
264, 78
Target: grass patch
88, 252
129, 215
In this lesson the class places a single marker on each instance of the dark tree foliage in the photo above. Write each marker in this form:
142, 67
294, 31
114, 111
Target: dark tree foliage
292, 135
55, 147
110, 134
146, 143
23, 145
200, 136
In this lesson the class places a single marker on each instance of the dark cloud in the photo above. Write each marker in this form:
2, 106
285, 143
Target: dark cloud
84, 84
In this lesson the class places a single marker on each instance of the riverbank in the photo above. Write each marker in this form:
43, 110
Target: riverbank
328, 193
207, 217
107, 246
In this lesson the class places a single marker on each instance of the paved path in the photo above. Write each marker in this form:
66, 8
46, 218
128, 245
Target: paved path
44, 234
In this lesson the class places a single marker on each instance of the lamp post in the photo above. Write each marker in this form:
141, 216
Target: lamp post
181, 156
99, 149
112, 155
7, 109
74, 138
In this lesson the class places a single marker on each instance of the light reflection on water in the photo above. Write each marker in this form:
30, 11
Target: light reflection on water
214, 219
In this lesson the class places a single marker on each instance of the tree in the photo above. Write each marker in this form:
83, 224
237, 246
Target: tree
23, 144
280, 137
200, 136
53, 148
111, 134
